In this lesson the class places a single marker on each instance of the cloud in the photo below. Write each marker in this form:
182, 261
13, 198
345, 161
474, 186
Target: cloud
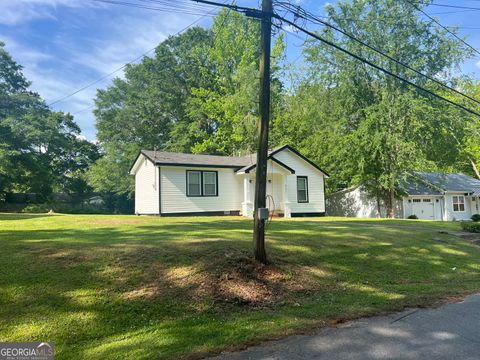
81, 44
20, 11
28, 54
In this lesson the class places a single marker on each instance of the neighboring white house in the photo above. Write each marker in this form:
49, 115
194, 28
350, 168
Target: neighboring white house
170, 184
430, 196
356, 202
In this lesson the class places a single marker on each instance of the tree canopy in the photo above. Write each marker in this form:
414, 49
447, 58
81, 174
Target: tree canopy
40, 150
367, 126
199, 94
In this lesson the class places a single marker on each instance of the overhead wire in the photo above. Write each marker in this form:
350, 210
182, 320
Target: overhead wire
442, 26
258, 13
165, 8
303, 14
122, 67
254, 12
455, 6
375, 66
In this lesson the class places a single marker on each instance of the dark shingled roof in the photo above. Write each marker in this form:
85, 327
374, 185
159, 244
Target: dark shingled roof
169, 158
434, 183
239, 163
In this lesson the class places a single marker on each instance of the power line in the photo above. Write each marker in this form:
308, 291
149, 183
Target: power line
100, 79
367, 62
246, 10
449, 12
310, 16
455, 6
462, 27
84, 109
166, 8
357, 57
257, 13
123, 66
442, 26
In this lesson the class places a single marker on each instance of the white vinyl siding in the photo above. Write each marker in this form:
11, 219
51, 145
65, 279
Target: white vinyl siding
451, 199
146, 188
316, 193
357, 202
175, 200
185, 189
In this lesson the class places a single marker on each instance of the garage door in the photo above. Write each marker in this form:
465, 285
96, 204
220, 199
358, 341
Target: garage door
423, 208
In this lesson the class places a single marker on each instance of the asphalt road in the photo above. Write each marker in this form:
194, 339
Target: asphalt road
449, 332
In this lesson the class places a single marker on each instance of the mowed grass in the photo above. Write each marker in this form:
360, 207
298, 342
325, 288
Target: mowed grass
126, 287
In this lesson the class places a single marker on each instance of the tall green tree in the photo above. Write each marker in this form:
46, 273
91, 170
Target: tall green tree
140, 110
224, 117
458, 149
199, 94
40, 150
383, 122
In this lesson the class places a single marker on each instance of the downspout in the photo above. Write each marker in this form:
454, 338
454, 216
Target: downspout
444, 215
159, 192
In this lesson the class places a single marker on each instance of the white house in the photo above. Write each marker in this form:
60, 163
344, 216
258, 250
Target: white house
170, 184
429, 196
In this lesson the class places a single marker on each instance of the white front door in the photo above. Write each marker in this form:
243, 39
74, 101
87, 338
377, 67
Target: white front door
275, 185
423, 208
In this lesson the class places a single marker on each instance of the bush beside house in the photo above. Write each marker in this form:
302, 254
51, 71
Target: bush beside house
473, 227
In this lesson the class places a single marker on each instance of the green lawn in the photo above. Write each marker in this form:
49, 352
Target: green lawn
111, 287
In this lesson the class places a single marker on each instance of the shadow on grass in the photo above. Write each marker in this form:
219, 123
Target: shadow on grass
12, 216
163, 289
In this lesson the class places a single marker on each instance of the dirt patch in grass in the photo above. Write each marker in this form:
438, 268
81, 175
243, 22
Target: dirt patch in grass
234, 278
472, 237
241, 280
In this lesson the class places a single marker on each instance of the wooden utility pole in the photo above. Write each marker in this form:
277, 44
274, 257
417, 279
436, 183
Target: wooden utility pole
262, 151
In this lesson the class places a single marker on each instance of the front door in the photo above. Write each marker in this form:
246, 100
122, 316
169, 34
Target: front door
274, 191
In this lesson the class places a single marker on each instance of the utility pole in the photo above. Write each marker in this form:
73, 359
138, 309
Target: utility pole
262, 151
260, 213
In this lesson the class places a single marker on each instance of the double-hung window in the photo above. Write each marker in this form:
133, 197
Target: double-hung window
194, 183
202, 183
302, 189
458, 203
209, 183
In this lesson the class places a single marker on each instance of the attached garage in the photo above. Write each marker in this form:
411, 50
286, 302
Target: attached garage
425, 208
428, 196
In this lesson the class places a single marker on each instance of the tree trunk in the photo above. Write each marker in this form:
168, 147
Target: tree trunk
390, 204
475, 168
379, 207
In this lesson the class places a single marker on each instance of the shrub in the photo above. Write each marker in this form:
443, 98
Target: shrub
413, 217
473, 227
476, 217
78, 209
35, 209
